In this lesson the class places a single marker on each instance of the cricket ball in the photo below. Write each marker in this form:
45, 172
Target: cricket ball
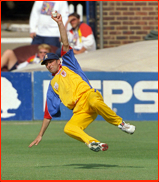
54, 14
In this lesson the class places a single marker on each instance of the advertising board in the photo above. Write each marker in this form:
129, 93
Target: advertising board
132, 95
16, 96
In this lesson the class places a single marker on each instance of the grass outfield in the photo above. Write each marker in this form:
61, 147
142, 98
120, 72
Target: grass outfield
59, 157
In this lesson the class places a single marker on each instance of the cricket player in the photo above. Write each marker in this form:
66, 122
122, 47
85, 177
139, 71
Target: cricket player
71, 87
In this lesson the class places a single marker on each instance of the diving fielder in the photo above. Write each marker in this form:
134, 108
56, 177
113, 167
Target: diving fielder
71, 87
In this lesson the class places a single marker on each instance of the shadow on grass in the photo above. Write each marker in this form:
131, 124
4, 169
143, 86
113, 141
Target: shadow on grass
92, 166
99, 166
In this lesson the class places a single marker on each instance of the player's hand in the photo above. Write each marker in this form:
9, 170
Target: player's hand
36, 141
58, 17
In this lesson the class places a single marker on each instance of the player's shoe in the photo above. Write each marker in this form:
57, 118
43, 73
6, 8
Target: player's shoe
126, 127
96, 146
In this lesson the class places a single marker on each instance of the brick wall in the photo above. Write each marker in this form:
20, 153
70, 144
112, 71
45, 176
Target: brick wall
126, 21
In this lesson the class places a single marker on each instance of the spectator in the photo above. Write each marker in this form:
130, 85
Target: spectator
80, 37
42, 30
9, 58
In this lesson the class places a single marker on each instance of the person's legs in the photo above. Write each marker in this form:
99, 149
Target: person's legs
8, 58
14, 67
96, 102
87, 109
75, 126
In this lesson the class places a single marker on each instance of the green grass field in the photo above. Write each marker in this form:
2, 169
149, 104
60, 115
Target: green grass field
59, 157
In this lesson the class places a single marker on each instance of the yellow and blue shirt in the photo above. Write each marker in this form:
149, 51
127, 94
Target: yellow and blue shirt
67, 86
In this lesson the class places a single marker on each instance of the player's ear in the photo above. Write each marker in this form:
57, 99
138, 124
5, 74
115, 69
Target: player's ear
58, 61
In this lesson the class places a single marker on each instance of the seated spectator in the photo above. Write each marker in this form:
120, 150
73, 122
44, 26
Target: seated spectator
80, 37
9, 58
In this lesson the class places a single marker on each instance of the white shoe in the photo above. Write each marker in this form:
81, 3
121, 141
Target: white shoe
96, 146
126, 127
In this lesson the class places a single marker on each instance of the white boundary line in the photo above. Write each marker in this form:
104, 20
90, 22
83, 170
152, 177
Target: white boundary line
15, 40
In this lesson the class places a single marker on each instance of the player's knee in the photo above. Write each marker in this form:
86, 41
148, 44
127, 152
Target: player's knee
66, 128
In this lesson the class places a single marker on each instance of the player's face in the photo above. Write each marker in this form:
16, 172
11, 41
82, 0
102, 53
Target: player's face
42, 53
53, 65
74, 22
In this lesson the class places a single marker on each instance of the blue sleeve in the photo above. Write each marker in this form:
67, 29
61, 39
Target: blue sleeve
71, 62
53, 102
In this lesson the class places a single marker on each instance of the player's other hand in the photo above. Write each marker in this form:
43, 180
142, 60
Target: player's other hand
36, 141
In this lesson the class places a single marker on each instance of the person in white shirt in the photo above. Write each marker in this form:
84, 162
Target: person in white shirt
42, 30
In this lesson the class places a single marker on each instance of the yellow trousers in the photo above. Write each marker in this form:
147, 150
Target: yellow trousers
85, 112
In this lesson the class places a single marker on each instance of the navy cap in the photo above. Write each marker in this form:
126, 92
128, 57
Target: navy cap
49, 56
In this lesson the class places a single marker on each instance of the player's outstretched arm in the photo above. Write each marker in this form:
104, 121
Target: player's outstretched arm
63, 33
45, 124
